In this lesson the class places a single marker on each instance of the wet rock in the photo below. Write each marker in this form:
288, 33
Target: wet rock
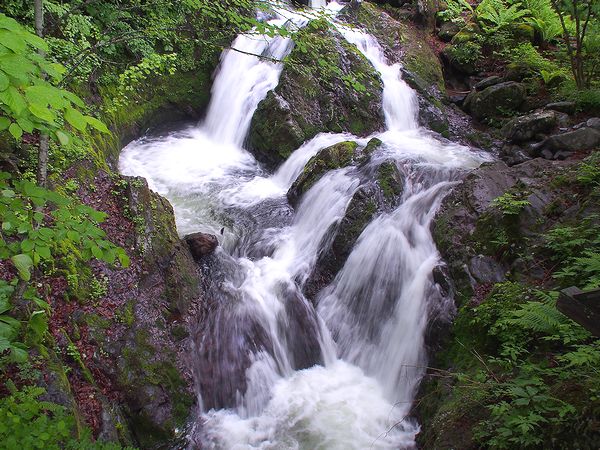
369, 200
495, 100
201, 244
310, 98
564, 107
526, 128
330, 158
487, 82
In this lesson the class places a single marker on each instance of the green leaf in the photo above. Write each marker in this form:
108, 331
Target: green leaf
17, 66
62, 137
46, 95
4, 123
44, 252
15, 130
4, 82
37, 326
26, 124
97, 252
123, 259
23, 263
12, 98
42, 112
97, 124
35, 41
13, 41
9, 23
76, 119
27, 246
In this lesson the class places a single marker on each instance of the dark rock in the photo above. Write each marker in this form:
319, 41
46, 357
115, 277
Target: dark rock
564, 107
457, 99
330, 158
594, 123
487, 82
560, 146
201, 244
486, 270
495, 100
513, 154
526, 128
448, 30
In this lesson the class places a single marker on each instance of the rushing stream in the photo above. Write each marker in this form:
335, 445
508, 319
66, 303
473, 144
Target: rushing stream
342, 376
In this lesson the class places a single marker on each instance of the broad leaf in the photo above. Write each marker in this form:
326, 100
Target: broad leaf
23, 263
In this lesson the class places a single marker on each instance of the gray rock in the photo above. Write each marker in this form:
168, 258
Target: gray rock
487, 82
564, 107
560, 145
526, 128
484, 269
513, 155
594, 123
495, 100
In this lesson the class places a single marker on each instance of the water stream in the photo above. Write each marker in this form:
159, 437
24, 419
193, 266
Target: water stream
274, 373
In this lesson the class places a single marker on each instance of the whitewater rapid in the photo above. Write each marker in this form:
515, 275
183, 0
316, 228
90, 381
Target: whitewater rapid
368, 329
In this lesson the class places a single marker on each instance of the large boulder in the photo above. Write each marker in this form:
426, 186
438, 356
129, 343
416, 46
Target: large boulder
526, 128
326, 85
496, 100
562, 145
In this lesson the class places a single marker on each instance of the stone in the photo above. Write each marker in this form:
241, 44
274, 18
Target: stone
564, 107
201, 244
594, 123
495, 100
513, 155
487, 82
559, 146
526, 128
448, 30
486, 270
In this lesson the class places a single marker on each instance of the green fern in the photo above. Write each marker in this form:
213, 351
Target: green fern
494, 15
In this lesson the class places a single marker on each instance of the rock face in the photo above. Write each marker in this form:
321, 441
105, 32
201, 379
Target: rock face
146, 343
201, 244
495, 100
326, 85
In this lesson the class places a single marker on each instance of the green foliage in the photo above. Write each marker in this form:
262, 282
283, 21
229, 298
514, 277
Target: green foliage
510, 203
465, 53
26, 422
495, 15
455, 9
543, 17
28, 102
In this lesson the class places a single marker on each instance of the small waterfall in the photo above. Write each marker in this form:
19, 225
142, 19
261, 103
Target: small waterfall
343, 376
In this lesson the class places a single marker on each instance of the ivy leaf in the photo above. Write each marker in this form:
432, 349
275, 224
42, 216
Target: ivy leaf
23, 263
76, 119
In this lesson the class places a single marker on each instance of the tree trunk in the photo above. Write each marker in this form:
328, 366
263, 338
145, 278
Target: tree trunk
42, 169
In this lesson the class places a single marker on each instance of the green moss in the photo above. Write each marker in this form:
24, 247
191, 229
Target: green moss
388, 182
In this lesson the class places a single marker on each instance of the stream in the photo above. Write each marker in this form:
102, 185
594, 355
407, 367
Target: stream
341, 375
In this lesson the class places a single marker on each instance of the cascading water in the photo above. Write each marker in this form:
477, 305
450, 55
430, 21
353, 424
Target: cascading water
361, 353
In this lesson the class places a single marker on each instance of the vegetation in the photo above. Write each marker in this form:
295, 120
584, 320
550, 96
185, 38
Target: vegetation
551, 42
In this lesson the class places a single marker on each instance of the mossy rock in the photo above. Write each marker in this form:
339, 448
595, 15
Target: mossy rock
326, 85
335, 157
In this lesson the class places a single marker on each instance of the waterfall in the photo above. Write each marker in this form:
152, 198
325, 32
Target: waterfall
342, 376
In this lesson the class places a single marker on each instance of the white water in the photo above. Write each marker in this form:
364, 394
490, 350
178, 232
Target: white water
371, 318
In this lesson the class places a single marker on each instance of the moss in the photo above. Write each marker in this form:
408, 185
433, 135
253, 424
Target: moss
387, 178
